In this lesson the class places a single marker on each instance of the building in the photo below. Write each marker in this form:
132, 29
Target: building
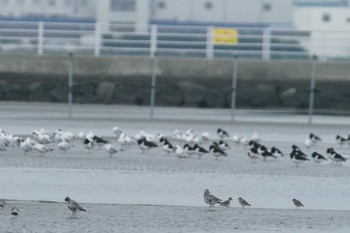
16, 9
328, 24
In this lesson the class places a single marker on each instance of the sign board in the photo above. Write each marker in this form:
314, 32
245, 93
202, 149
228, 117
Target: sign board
225, 36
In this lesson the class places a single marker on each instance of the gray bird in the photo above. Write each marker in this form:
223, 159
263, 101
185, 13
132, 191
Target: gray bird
297, 203
243, 202
14, 211
226, 203
2, 203
210, 199
73, 206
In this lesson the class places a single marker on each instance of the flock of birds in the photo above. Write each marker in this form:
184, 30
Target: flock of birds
188, 145
212, 200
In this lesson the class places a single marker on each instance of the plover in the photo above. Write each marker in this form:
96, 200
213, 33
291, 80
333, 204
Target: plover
73, 206
297, 203
14, 211
210, 199
226, 203
243, 202
222, 133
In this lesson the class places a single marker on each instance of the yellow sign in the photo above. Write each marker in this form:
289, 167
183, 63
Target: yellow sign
225, 36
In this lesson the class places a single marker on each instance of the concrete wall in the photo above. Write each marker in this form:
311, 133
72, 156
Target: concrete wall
180, 81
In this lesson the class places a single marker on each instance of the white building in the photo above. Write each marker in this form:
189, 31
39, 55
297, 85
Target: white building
48, 8
329, 27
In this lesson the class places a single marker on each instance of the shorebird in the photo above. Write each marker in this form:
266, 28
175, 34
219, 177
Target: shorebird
243, 202
318, 158
2, 203
222, 133
314, 138
297, 203
210, 199
298, 156
226, 203
73, 206
14, 211
340, 140
276, 153
200, 151
111, 149
144, 144
223, 145
334, 156
253, 154
215, 150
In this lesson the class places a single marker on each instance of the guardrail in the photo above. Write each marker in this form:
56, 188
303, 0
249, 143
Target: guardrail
166, 40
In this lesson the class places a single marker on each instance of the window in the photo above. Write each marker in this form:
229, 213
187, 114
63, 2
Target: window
326, 17
161, 5
266, 6
123, 5
208, 5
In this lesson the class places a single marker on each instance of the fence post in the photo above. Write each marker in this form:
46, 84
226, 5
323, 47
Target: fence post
154, 36
312, 88
153, 85
210, 44
40, 37
234, 86
266, 44
70, 84
97, 47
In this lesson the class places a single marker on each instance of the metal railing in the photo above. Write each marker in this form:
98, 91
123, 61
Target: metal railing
167, 40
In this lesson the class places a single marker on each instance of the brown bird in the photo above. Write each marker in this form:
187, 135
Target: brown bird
243, 202
297, 203
227, 202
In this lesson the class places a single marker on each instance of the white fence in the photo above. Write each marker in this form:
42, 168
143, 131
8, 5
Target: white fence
18, 37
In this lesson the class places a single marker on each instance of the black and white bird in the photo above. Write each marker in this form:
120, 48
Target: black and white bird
253, 154
341, 140
223, 145
262, 150
73, 206
314, 138
215, 150
189, 150
298, 156
334, 156
317, 157
14, 211
243, 202
210, 199
200, 151
226, 203
146, 145
276, 153
297, 203
253, 144
222, 133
